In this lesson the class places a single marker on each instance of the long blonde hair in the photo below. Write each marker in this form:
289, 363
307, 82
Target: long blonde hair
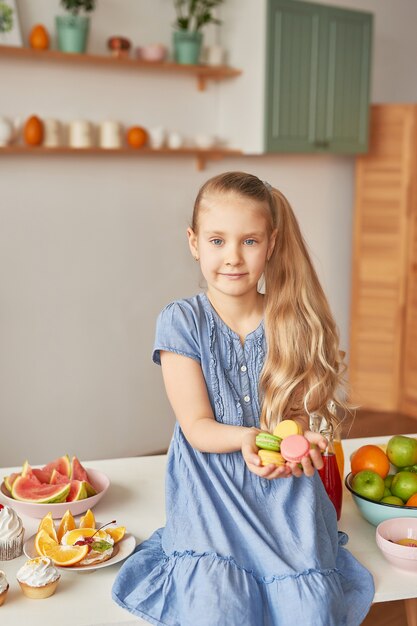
303, 369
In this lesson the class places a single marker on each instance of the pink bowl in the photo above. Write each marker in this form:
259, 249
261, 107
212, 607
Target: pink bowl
99, 481
391, 530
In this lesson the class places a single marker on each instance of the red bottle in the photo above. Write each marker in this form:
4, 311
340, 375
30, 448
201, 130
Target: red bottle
330, 474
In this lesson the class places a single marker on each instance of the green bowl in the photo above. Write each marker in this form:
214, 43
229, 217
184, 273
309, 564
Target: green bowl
377, 512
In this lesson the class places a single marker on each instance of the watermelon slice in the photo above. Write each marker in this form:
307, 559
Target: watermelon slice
27, 472
59, 479
62, 465
9, 480
77, 470
44, 476
26, 490
78, 491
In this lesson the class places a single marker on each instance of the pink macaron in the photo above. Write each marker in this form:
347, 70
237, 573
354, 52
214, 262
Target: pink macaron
294, 448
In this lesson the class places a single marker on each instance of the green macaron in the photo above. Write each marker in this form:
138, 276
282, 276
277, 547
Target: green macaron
266, 441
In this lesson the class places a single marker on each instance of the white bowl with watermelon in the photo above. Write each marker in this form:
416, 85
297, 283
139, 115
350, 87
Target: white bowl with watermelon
58, 486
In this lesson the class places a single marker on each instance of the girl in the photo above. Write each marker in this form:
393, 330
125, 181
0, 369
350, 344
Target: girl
246, 545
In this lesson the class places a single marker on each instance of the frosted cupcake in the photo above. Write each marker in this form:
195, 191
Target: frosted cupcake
38, 578
11, 534
4, 587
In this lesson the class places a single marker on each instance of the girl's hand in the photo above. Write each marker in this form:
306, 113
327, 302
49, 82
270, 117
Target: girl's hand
253, 461
313, 461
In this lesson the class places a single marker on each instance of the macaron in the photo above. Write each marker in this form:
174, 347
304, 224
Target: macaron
294, 448
266, 441
286, 428
269, 457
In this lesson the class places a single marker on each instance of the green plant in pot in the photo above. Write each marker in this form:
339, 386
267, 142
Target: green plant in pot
192, 16
72, 29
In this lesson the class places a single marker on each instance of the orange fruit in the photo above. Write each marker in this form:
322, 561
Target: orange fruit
65, 556
77, 533
39, 37
116, 532
43, 541
87, 520
67, 523
412, 501
137, 137
47, 524
370, 457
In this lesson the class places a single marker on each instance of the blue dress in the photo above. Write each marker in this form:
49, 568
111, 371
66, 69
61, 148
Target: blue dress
237, 550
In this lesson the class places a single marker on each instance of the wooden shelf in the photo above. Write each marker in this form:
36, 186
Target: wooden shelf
201, 72
200, 155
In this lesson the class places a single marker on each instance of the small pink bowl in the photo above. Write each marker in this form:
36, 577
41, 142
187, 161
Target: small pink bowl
390, 531
154, 52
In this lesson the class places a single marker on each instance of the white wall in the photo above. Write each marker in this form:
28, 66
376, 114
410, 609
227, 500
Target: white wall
92, 248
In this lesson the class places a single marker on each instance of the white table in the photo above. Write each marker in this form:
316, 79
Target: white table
136, 500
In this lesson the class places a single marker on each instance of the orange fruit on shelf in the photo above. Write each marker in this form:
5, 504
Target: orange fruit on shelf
67, 523
39, 37
43, 541
33, 131
88, 520
412, 501
65, 556
370, 457
137, 137
47, 524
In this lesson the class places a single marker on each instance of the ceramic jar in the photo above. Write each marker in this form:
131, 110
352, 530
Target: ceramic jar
7, 131
110, 134
52, 133
80, 134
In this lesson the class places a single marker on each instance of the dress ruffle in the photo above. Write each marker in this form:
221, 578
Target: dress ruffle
207, 589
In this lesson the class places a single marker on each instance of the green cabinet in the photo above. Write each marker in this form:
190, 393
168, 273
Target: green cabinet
317, 78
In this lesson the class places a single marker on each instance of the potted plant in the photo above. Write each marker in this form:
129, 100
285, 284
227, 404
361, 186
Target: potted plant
192, 16
73, 28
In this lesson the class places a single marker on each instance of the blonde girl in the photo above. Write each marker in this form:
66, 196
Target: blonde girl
246, 544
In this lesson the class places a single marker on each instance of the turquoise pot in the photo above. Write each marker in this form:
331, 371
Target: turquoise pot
187, 47
72, 32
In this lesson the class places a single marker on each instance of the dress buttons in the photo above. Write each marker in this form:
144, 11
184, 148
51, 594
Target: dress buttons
247, 398
243, 368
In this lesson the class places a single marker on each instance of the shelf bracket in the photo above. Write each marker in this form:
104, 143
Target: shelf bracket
200, 162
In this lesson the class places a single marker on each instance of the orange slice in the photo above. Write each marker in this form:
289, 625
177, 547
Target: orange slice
47, 524
43, 541
88, 520
77, 533
65, 556
67, 523
116, 532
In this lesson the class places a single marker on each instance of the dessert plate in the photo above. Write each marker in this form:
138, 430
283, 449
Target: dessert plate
122, 549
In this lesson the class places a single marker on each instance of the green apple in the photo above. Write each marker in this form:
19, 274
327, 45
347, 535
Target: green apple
392, 500
404, 485
402, 451
387, 492
369, 485
410, 468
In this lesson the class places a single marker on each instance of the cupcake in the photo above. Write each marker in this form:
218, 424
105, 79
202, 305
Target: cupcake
4, 587
11, 534
38, 578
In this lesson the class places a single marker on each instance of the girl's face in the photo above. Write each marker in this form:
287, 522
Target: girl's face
232, 243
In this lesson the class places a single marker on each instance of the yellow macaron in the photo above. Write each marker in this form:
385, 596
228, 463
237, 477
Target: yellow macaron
269, 457
286, 428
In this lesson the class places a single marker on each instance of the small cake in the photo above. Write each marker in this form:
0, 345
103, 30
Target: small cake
286, 428
38, 578
266, 441
11, 534
269, 457
4, 587
294, 448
